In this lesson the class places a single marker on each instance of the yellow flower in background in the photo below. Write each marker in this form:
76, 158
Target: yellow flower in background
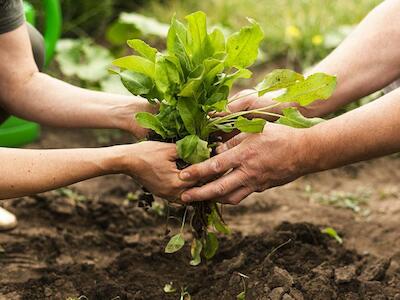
293, 32
317, 39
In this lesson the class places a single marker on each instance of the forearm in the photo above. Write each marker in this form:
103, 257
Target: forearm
368, 60
367, 132
27, 172
52, 102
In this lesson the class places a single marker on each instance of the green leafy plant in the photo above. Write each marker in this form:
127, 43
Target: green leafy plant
190, 82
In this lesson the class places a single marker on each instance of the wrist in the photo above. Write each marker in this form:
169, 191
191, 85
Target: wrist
123, 115
313, 152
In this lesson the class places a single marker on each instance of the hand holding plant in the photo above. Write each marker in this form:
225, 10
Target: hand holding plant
191, 82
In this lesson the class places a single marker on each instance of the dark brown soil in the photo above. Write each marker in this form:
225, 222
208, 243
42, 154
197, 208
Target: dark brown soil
103, 246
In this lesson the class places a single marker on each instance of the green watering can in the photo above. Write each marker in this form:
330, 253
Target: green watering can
16, 132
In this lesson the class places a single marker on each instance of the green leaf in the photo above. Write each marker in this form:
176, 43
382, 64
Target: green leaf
190, 113
136, 83
228, 80
145, 25
217, 40
195, 251
318, 86
150, 121
83, 59
218, 100
137, 64
198, 39
293, 118
215, 220
175, 243
191, 87
212, 68
251, 126
278, 79
143, 49
211, 245
224, 127
167, 76
333, 234
177, 44
242, 47
192, 149
241, 296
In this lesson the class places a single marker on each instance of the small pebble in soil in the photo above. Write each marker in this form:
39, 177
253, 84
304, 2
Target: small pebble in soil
345, 274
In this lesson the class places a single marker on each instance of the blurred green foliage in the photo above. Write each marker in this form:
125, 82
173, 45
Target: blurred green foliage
298, 33
301, 31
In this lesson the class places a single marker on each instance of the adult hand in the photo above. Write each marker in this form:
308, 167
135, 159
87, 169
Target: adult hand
126, 116
153, 165
250, 163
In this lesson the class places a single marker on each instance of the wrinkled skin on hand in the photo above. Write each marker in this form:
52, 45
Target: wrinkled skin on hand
153, 165
250, 163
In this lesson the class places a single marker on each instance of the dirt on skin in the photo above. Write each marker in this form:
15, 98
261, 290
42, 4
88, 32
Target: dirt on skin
96, 243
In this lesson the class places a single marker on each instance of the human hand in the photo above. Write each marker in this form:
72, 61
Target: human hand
254, 162
153, 165
125, 118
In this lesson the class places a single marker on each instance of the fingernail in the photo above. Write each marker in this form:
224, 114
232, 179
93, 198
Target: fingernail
222, 148
184, 175
185, 198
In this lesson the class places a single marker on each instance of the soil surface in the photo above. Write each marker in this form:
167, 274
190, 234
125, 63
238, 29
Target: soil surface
93, 240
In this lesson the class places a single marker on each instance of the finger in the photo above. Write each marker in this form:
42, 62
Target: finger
213, 166
236, 196
233, 142
216, 189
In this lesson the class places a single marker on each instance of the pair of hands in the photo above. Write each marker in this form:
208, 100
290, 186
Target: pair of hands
246, 163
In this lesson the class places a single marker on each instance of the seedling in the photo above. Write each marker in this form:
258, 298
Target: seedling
242, 295
333, 234
190, 84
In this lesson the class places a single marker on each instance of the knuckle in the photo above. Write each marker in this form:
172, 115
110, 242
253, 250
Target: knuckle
217, 166
220, 189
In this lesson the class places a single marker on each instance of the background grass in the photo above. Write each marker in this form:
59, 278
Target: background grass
302, 31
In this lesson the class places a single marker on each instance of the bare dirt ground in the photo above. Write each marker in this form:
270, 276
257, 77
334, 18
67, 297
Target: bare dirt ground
91, 240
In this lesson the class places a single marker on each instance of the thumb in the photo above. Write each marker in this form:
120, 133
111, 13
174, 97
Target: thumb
233, 142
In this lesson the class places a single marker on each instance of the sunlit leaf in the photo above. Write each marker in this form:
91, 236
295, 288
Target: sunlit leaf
293, 118
250, 126
143, 49
278, 79
318, 86
137, 64
242, 47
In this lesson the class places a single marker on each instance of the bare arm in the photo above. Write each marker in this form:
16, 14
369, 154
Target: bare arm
281, 154
27, 93
368, 60
26, 172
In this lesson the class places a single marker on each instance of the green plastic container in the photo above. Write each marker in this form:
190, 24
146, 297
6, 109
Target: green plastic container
16, 132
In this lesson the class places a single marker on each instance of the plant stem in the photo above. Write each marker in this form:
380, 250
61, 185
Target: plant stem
184, 219
243, 96
242, 113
